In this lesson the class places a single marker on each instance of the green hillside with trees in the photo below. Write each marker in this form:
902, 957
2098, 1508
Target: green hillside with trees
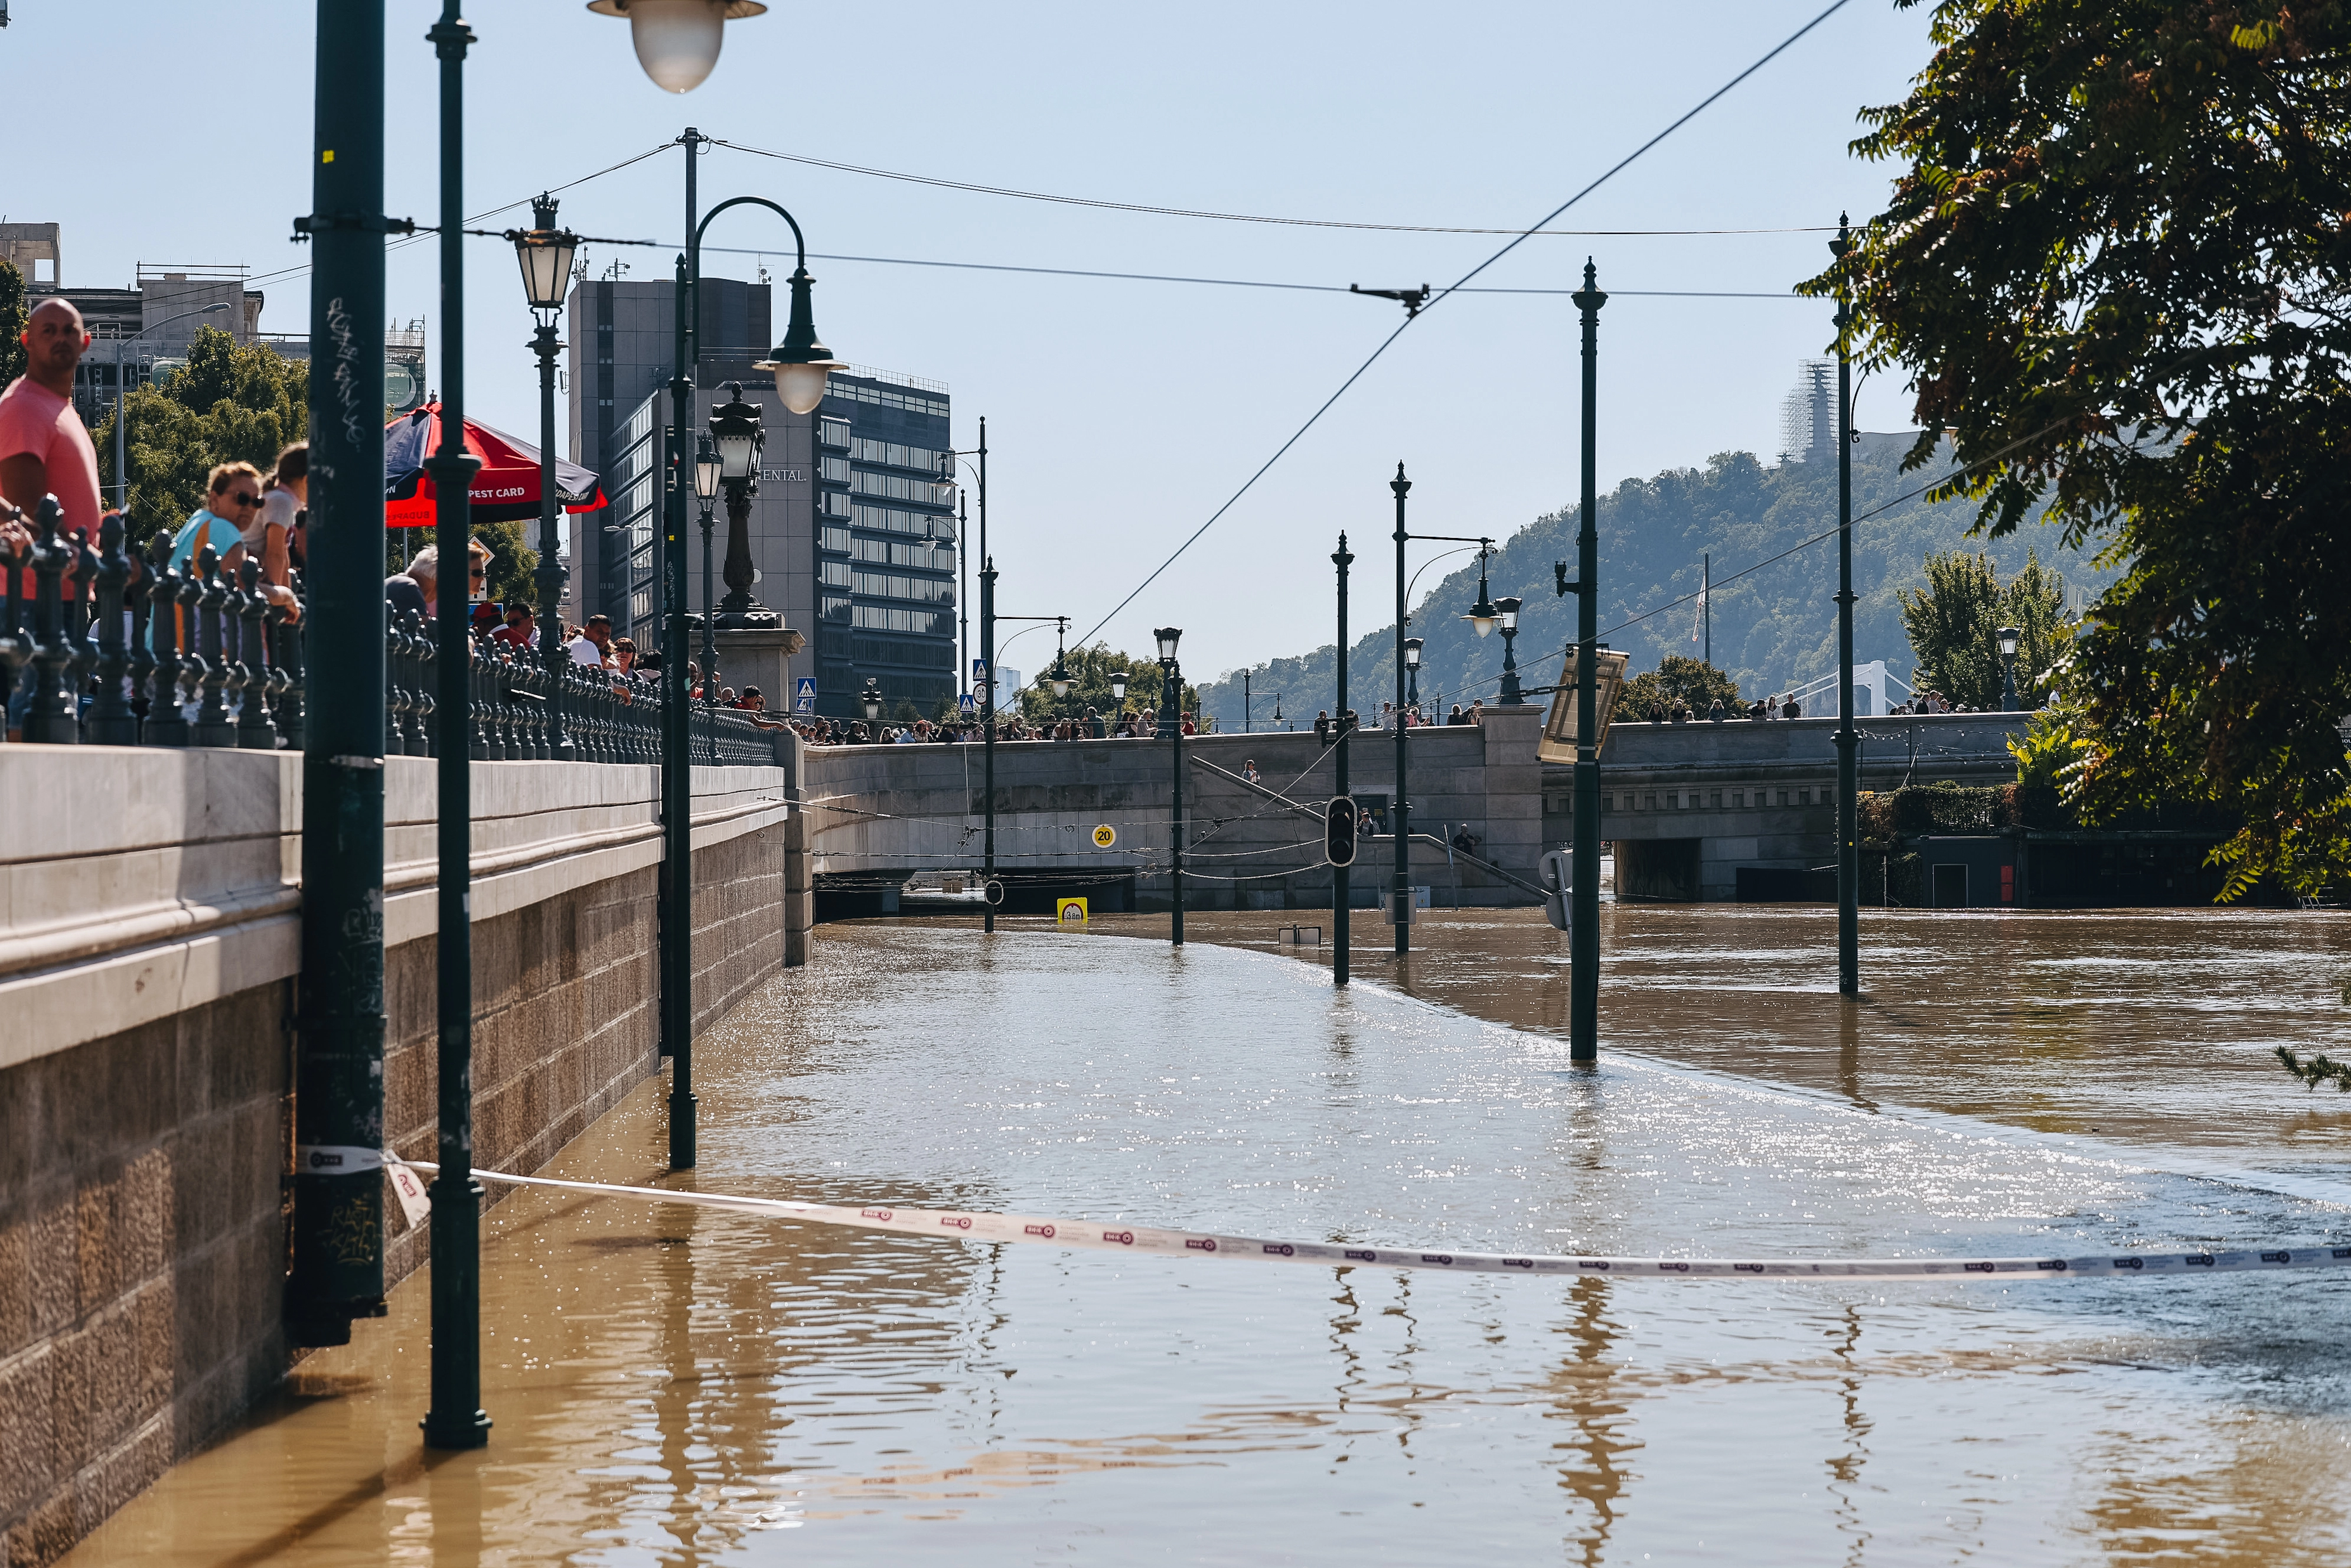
1774, 627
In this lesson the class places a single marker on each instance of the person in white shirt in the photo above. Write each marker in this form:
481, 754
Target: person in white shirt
593, 642
267, 535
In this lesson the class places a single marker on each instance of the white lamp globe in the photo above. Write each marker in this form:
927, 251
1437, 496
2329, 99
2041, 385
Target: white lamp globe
677, 41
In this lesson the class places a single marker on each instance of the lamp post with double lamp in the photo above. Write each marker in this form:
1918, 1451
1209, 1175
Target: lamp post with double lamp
1171, 725
121, 405
2009, 637
545, 252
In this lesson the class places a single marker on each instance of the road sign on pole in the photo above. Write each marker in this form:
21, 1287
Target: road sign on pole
968, 703
804, 695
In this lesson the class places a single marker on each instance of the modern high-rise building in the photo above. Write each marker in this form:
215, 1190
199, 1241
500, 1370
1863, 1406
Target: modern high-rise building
852, 533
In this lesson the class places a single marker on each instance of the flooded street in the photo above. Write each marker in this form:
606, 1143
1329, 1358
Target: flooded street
683, 1386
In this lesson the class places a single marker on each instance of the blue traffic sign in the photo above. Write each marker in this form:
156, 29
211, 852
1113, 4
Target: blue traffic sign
804, 695
966, 703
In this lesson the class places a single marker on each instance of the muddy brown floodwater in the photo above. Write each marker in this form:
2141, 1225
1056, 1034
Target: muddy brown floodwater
676, 1385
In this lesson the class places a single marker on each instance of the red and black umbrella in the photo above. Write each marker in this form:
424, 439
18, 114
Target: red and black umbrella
505, 488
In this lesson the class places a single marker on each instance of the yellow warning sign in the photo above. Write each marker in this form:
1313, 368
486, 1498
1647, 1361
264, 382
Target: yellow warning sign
1070, 911
1104, 836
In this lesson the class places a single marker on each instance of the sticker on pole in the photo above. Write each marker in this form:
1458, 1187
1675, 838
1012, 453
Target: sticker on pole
804, 695
1104, 836
409, 1187
1070, 911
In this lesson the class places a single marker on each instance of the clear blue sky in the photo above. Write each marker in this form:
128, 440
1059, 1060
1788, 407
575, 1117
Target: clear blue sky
1121, 414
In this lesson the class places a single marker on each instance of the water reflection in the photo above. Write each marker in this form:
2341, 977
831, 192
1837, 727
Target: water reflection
694, 1387
1586, 1395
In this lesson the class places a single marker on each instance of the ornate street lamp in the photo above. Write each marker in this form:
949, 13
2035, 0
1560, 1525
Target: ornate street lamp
2009, 636
1118, 688
1412, 674
545, 252
735, 432
706, 490
1060, 659
1513, 695
871, 699
677, 41
706, 471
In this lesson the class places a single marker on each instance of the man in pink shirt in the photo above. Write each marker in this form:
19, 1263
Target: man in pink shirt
44, 450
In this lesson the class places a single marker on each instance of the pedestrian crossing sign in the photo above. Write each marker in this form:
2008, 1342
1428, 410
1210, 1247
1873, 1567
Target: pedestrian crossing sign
804, 695
1070, 911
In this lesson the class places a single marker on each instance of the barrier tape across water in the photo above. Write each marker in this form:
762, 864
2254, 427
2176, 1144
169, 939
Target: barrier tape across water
959, 1225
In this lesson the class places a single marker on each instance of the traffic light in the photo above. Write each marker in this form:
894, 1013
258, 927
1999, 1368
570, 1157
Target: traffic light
1339, 830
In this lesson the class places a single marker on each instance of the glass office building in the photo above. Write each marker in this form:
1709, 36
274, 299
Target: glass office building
852, 533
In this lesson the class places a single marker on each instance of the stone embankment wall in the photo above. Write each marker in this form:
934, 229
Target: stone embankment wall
884, 812
149, 918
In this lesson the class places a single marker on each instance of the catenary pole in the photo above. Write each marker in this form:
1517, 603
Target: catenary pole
677, 761
1583, 922
338, 1189
455, 1419
1402, 825
1341, 892
1848, 741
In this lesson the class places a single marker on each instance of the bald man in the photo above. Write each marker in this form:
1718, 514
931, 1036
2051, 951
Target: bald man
44, 450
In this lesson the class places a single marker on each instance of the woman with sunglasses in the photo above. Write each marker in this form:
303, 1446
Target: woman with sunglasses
232, 499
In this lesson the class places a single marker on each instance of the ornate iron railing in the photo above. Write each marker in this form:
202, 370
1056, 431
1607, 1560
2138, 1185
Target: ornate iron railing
196, 657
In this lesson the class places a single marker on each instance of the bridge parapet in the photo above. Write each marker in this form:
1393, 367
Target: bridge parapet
1690, 805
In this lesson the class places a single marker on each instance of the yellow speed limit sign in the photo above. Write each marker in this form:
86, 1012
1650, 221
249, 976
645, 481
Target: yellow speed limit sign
1104, 836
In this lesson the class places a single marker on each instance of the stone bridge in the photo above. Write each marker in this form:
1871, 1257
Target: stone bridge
1748, 810
1694, 811
879, 814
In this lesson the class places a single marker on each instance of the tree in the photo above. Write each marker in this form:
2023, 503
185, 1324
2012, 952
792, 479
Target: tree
1090, 672
1678, 679
2114, 265
1954, 625
230, 402
11, 323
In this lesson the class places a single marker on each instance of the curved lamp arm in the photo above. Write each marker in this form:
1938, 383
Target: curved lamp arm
694, 244
1432, 560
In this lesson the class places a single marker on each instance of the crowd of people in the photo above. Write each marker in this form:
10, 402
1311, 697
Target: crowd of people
1674, 710
1128, 723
